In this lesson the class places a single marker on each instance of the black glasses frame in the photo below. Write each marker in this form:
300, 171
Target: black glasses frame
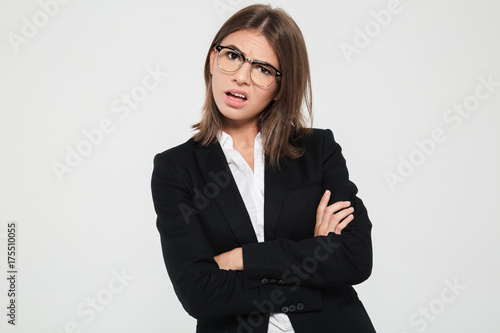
219, 48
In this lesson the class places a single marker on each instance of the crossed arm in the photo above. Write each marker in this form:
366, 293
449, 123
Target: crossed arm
332, 218
210, 285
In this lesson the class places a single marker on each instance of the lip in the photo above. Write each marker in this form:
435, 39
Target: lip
232, 102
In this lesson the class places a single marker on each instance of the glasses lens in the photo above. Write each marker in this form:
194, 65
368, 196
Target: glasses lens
229, 60
262, 75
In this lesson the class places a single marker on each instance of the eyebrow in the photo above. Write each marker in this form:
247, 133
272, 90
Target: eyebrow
237, 49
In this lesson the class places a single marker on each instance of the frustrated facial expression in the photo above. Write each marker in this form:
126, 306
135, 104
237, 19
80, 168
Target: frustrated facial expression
238, 98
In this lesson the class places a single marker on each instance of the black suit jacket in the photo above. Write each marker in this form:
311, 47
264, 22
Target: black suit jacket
201, 214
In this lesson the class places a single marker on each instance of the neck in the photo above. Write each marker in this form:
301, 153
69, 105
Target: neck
243, 137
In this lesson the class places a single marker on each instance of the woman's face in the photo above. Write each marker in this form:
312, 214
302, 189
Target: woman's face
238, 111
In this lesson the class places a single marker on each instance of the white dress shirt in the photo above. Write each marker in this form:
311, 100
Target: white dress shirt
251, 187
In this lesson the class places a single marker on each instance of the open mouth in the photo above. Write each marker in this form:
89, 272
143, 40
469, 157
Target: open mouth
236, 96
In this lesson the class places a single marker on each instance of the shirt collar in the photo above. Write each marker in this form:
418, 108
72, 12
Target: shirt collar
226, 141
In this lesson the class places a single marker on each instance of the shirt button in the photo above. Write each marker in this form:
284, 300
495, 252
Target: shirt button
300, 306
284, 309
264, 281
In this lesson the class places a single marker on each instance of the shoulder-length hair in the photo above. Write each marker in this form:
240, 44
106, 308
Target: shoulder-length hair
282, 123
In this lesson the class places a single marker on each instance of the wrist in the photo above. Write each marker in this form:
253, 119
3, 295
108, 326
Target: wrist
239, 258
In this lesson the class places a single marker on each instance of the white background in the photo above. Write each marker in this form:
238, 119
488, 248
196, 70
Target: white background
77, 231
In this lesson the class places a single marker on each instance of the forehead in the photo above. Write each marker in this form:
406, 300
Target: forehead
253, 45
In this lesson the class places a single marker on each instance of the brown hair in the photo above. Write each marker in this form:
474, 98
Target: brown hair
282, 122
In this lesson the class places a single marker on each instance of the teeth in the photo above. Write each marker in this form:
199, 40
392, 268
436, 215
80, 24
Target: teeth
237, 95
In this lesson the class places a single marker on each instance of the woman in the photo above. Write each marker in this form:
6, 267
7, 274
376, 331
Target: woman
260, 226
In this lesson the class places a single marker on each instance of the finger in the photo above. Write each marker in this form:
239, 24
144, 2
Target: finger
325, 216
339, 216
342, 214
331, 210
322, 206
321, 211
339, 205
336, 226
343, 224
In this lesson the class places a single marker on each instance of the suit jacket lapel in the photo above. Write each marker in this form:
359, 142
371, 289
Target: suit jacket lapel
274, 190
212, 161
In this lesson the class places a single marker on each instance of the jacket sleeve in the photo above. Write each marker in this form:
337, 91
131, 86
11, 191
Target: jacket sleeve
321, 261
204, 290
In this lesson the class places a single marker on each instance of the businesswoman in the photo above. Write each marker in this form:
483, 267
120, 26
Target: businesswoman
260, 226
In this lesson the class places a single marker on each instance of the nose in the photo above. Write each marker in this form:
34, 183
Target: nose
242, 76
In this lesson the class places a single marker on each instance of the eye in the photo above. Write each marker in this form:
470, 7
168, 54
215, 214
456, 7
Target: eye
264, 70
232, 55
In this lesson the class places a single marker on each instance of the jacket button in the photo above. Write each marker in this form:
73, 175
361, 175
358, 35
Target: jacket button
264, 281
284, 309
272, 281
281, 282
291, 308
300, 306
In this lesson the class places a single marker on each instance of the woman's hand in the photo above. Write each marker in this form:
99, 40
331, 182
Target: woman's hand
231, 260
328, 218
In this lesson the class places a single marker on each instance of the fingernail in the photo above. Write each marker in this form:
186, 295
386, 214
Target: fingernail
348, 202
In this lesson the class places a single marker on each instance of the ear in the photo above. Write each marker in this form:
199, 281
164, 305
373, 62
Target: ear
212, 61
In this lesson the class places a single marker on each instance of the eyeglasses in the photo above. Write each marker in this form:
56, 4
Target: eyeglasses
230, 60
